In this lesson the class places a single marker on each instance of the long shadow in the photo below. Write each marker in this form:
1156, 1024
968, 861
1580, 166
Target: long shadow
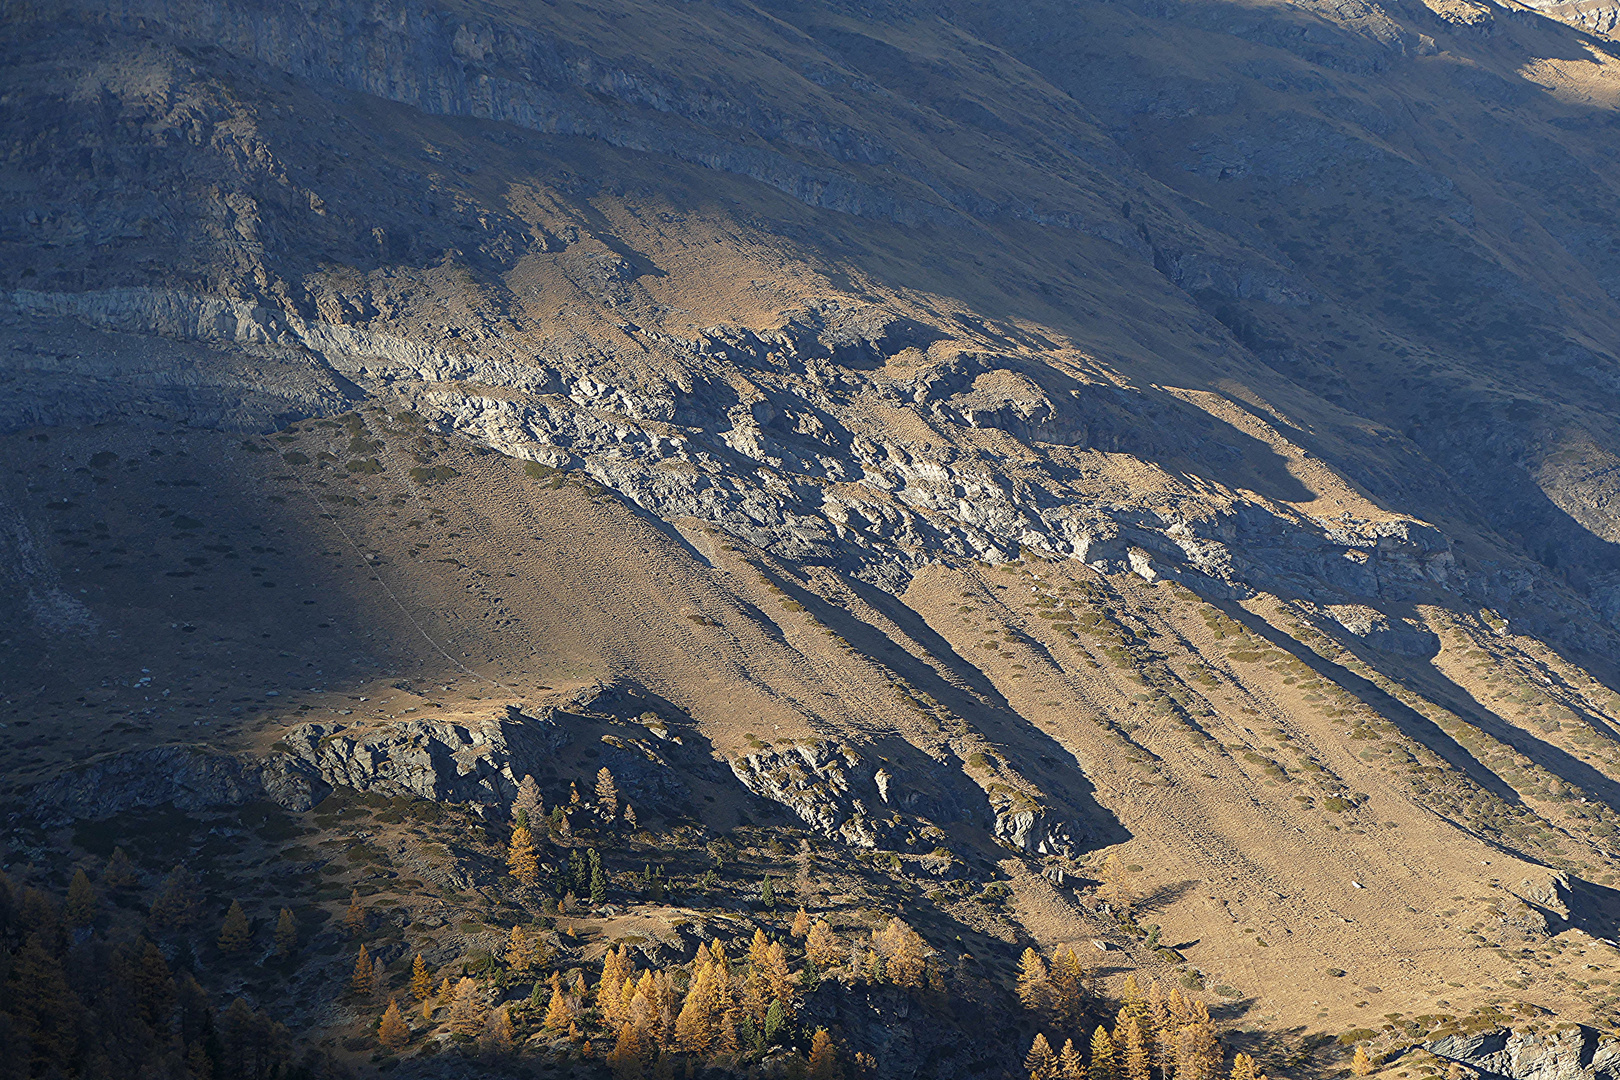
1447, 693
998, 721
1593, 908
1035, 752
1164, 896
1409, 721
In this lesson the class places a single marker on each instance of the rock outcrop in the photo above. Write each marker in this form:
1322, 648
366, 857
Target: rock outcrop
474, 761
187, 777
1567, 1052
830, 788
1032, 829
842, 795
445, 761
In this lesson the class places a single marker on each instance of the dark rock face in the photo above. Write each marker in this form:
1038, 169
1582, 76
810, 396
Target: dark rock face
475, 762
186, 777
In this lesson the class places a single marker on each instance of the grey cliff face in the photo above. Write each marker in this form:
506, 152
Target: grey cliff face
1567, 1052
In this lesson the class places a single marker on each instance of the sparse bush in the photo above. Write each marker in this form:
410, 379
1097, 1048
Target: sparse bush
432, 474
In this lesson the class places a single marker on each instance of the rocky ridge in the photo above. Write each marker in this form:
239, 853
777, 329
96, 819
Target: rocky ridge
849, 494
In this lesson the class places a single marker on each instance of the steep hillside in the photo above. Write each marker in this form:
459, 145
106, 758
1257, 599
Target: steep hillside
1128, 476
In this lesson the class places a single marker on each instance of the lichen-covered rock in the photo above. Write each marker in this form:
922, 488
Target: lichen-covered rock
447, 761
1568, 1052
830, 788
1029, 828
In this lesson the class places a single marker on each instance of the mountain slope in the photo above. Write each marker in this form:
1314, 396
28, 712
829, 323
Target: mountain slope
1180, 426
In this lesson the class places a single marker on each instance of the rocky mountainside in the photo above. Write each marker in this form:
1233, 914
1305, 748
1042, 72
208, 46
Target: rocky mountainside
983, 438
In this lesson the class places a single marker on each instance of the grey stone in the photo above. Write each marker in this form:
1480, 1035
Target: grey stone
1567, 1052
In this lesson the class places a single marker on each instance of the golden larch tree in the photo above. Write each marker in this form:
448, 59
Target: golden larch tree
1135, 1059
421, 979
801, 923
364, 980
822, 946
120, 872
235, 935
528, 802
905, 953
499, 1038
286, 933
1362, 1063
823, 1057
755, 999
1068, 995
80, 908
519, 950
1034, 982
1158, 1031
1071, 1066
628, 1058
607, 795
616, 969
1116, 885
694, 1027
466, 1009
154, 984
1134, 1000
1040, 1062
726, 1043
558, 1014
1198, 1054
758, 946
1103, 1066
392, 1031
1242, 1067
354, 920
778, 977
521, 858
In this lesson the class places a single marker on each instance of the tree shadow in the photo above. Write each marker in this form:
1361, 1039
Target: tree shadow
1163, 896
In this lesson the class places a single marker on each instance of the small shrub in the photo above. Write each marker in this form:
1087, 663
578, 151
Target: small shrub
424, 474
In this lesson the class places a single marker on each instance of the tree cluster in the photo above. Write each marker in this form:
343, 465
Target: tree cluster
1155, 1037
86, 991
